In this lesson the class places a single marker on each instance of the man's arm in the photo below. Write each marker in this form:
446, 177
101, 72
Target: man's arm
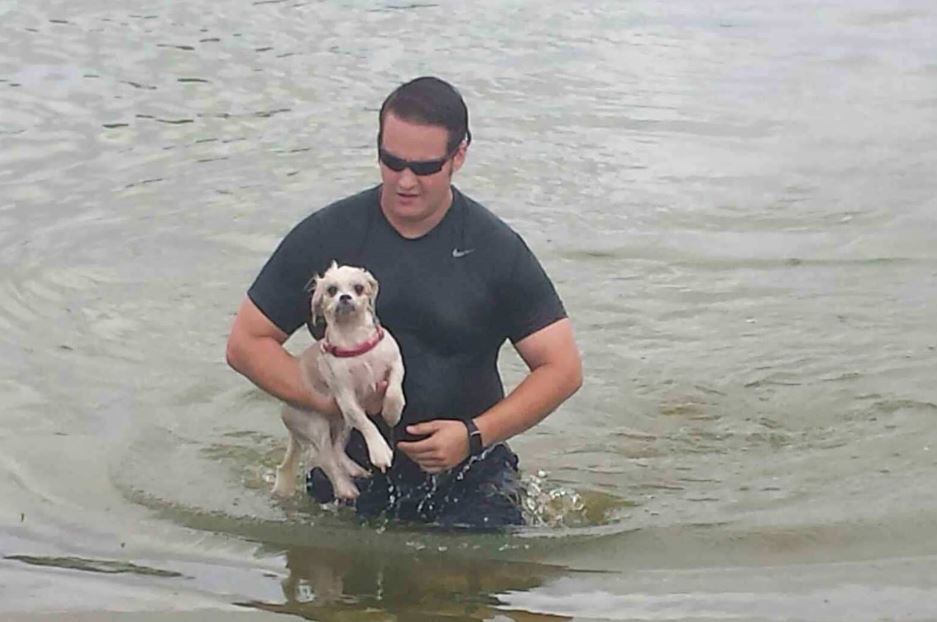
555, 374
255, 349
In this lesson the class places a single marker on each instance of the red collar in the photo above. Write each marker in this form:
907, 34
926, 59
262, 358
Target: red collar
367, 346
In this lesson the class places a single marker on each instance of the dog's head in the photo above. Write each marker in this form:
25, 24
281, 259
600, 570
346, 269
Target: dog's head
343, 293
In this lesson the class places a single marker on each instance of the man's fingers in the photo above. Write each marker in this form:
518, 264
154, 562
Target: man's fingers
418, 448
419, 429
429, 458
431, 465
434, 453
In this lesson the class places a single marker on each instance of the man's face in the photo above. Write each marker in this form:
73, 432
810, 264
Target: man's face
413, 202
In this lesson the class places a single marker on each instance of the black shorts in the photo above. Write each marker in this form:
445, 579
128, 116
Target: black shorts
481, 494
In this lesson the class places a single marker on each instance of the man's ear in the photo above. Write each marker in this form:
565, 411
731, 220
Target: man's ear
458, 158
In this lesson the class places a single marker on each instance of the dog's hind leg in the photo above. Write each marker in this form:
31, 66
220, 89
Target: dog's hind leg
352, 468
331, 464
285, 482
339, 442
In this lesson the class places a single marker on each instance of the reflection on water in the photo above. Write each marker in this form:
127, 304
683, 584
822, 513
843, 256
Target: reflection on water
92, 565
324, 584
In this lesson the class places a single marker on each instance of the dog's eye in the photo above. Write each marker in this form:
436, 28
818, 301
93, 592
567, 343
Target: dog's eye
359, 289
332, 290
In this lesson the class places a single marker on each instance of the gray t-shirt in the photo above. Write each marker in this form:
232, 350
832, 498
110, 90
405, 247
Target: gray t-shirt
450, 298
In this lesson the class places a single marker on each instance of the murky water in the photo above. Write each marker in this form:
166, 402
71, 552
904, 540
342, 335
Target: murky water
737, 203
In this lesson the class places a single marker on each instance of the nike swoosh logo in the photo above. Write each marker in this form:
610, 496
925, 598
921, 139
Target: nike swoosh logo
460, 253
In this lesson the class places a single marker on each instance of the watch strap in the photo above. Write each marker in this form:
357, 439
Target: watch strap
474, 438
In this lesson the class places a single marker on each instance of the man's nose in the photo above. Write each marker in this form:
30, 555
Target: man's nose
407, 179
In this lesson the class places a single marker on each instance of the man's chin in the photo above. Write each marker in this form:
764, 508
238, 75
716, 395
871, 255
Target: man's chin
407, 202
410, 211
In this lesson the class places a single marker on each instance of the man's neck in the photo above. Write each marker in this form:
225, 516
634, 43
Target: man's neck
412, 229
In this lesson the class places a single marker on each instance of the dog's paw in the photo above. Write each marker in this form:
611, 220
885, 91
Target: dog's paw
381, 455
393, 406
346, 490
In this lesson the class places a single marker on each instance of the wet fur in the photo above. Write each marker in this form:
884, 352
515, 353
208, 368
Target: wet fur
349, 380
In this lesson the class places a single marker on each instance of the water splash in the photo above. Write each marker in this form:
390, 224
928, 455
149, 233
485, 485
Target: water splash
546, 504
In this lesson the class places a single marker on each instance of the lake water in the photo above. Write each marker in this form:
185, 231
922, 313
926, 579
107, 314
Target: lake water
736, 201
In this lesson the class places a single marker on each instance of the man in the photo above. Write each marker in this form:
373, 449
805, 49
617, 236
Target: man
455, 283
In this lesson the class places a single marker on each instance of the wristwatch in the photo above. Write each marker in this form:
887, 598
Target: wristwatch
474, 438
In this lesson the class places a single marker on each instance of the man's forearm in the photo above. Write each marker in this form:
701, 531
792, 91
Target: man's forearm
540, 393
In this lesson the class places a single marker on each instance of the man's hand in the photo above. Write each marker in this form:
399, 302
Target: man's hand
445, 446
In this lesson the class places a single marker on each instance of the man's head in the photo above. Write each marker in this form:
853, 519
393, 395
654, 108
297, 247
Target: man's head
422, 138
429, 101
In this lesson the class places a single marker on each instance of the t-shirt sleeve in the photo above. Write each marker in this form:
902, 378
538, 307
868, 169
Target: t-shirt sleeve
281, 290
532, 300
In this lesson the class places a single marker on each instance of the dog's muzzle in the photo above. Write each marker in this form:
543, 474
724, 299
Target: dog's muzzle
345, 306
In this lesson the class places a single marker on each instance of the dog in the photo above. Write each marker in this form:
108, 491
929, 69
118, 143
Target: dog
355, 354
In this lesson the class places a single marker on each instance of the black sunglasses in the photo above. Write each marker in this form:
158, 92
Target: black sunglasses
420, 168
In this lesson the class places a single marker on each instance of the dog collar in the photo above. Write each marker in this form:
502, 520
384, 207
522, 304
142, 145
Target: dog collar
367, 346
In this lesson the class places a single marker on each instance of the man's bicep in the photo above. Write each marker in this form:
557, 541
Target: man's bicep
553, 344
531, 300
280, 293
251, 323
281, 290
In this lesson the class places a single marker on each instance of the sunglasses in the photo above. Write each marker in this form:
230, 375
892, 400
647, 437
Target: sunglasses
420, 168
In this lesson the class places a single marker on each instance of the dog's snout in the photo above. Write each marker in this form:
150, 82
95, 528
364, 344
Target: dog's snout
344, 298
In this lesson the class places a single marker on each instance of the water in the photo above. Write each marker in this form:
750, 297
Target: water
736, 203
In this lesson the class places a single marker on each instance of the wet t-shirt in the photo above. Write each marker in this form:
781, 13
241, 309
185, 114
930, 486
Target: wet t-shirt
451, 298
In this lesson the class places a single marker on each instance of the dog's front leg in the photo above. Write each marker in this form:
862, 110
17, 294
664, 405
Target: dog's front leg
393, 397
379, 453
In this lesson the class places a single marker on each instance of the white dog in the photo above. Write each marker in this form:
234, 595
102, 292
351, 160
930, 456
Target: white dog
347, 363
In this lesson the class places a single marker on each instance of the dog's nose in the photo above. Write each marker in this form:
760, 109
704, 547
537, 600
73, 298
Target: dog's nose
344, 298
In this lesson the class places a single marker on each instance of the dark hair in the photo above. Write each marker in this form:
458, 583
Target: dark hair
430, 101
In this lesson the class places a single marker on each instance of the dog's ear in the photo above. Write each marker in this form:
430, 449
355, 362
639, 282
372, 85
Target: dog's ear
317, 296
372, 289
311, 284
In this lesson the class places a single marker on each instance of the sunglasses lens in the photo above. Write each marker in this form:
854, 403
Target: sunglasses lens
393, 163
426, 168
